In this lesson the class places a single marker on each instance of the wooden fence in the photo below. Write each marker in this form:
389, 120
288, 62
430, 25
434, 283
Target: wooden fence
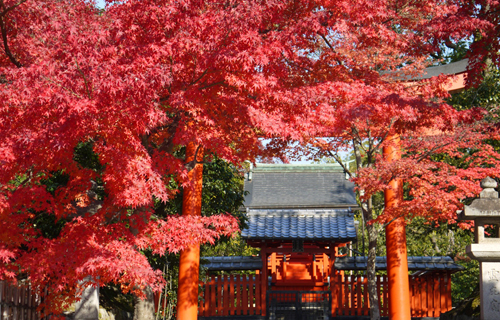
430, 295
234, 295
349, 295
18, 302
231, 295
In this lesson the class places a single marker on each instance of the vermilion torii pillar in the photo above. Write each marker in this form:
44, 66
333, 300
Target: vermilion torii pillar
187, 295
397, 260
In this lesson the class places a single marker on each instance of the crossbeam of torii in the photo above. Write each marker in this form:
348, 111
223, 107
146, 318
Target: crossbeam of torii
397, 260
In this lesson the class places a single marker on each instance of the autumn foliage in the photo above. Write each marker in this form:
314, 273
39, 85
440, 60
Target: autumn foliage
363, 78
140, 79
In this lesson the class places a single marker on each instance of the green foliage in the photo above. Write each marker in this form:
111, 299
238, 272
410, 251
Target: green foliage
55, 180
429, 239
458, 53
232, 247
465, 284
86, 157
222, 188
222, 191
462, 162
486, 95
112, 298
46, 223
361, 246
49, 226
452, 52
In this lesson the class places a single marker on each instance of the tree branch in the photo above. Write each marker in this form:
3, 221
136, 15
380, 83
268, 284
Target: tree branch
331, 48
212, 85
199, 78
357, 154
84, 80
339, 161
6, 10
9, 54
431, 151
450, 44
60, 86
166, 145
3, 28
392, 220
369, 153
191, 164
357, 138
377, 146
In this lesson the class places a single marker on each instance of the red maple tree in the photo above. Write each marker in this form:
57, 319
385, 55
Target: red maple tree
142, 78
135, 82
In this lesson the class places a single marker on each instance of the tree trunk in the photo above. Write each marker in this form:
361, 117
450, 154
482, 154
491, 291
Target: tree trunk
144, 309
367, 211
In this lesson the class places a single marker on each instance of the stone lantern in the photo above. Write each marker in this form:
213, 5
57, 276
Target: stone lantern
486, 211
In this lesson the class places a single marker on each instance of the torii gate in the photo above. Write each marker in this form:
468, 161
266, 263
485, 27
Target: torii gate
397, 260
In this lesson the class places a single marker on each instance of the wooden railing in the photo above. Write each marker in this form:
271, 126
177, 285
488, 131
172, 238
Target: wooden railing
349, 295
241, 295
234, 295
430, 295
18, 302
231, 295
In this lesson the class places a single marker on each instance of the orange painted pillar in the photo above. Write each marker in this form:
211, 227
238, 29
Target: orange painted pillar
187, 295
263, 290
397, 260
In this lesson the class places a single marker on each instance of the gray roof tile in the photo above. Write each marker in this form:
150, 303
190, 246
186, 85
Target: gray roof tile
232, 263
299, 186
414, 263
289, 224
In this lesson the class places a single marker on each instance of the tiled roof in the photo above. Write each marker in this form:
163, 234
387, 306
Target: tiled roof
457, 67
414, 263
232, 263
450, 68
318, 224
341, 263
298, 186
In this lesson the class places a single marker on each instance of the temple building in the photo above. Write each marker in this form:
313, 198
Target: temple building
302, 219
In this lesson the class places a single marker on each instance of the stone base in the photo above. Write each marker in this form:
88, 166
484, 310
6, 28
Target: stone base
88, 306
490, 290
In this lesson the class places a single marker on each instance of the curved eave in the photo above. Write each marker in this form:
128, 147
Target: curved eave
315, 239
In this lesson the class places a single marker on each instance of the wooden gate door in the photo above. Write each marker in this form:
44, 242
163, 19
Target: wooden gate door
298, 305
